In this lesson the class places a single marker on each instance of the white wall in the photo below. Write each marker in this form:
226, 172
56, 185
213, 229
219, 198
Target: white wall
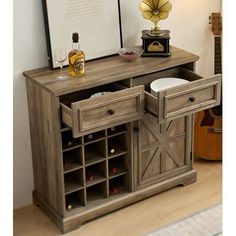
188, 23
29, 46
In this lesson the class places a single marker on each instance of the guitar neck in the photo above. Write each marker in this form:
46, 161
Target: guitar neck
217, 66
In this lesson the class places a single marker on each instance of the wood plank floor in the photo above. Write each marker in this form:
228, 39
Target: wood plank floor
204, 223
138, 219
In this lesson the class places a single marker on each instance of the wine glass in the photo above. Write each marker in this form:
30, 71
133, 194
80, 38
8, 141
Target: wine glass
60, 57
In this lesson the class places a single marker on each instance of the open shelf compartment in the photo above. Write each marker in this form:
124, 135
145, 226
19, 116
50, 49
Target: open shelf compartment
95, 152
117, 166
116, 145
68, 142
73, 181
95, 173
119, 185
97, 192
116, 130
75, 200
94, 137
73, 160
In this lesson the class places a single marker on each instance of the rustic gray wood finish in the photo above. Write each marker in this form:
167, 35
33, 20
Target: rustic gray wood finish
92, 114
108, 70
163, 149
153, 134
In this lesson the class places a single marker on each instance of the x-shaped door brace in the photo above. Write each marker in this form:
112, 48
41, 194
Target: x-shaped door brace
154, 129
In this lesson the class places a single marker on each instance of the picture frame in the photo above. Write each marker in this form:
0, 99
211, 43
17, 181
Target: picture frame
98, 23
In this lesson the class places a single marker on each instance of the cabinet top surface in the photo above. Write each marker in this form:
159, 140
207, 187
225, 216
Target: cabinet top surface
108, 70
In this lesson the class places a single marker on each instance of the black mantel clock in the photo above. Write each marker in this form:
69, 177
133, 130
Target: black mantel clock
155, 42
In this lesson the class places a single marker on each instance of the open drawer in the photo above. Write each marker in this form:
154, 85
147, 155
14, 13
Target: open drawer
168, 104
92, 114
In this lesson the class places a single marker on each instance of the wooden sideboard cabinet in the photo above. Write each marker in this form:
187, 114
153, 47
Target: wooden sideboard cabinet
92, 156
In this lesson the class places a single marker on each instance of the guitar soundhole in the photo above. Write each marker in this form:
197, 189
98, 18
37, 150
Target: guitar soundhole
217, 111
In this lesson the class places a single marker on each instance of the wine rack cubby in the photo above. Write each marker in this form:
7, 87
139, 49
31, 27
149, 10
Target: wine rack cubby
96, 192
75, 199
72, 159
116, 145
96, 166
73, 181
68, 142
95, 173
118, 166
118, 185
94, 152
94, 137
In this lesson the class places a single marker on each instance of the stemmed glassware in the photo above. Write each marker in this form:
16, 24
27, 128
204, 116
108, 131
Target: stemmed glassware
60, 57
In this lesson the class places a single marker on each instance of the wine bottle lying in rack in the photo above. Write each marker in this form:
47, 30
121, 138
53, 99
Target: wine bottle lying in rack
90, 176
111, 148
114, 190
69, 205
65, 164
112, 129
113, 169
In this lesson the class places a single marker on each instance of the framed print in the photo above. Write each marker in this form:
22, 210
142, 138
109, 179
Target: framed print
96, 21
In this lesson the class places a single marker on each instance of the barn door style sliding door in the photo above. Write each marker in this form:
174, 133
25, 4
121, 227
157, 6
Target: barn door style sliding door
163, 149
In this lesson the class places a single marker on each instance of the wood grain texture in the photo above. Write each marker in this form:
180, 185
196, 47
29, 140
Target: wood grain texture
104, 111
72, 222
107, 70
46, 145
177, 101
140, 218
162, 150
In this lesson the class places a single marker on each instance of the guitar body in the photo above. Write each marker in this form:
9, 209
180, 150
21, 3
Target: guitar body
208, 126
208, 136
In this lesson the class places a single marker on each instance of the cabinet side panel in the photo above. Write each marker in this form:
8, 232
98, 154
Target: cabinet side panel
46, 146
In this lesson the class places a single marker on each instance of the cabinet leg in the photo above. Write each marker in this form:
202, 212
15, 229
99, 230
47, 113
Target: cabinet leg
190, 179
68, 228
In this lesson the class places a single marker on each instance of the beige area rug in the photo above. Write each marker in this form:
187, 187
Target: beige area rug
204, 223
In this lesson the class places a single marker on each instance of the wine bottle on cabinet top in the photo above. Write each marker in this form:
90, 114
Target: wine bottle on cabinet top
76, 58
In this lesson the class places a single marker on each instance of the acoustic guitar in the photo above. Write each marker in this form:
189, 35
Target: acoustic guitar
208, 127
